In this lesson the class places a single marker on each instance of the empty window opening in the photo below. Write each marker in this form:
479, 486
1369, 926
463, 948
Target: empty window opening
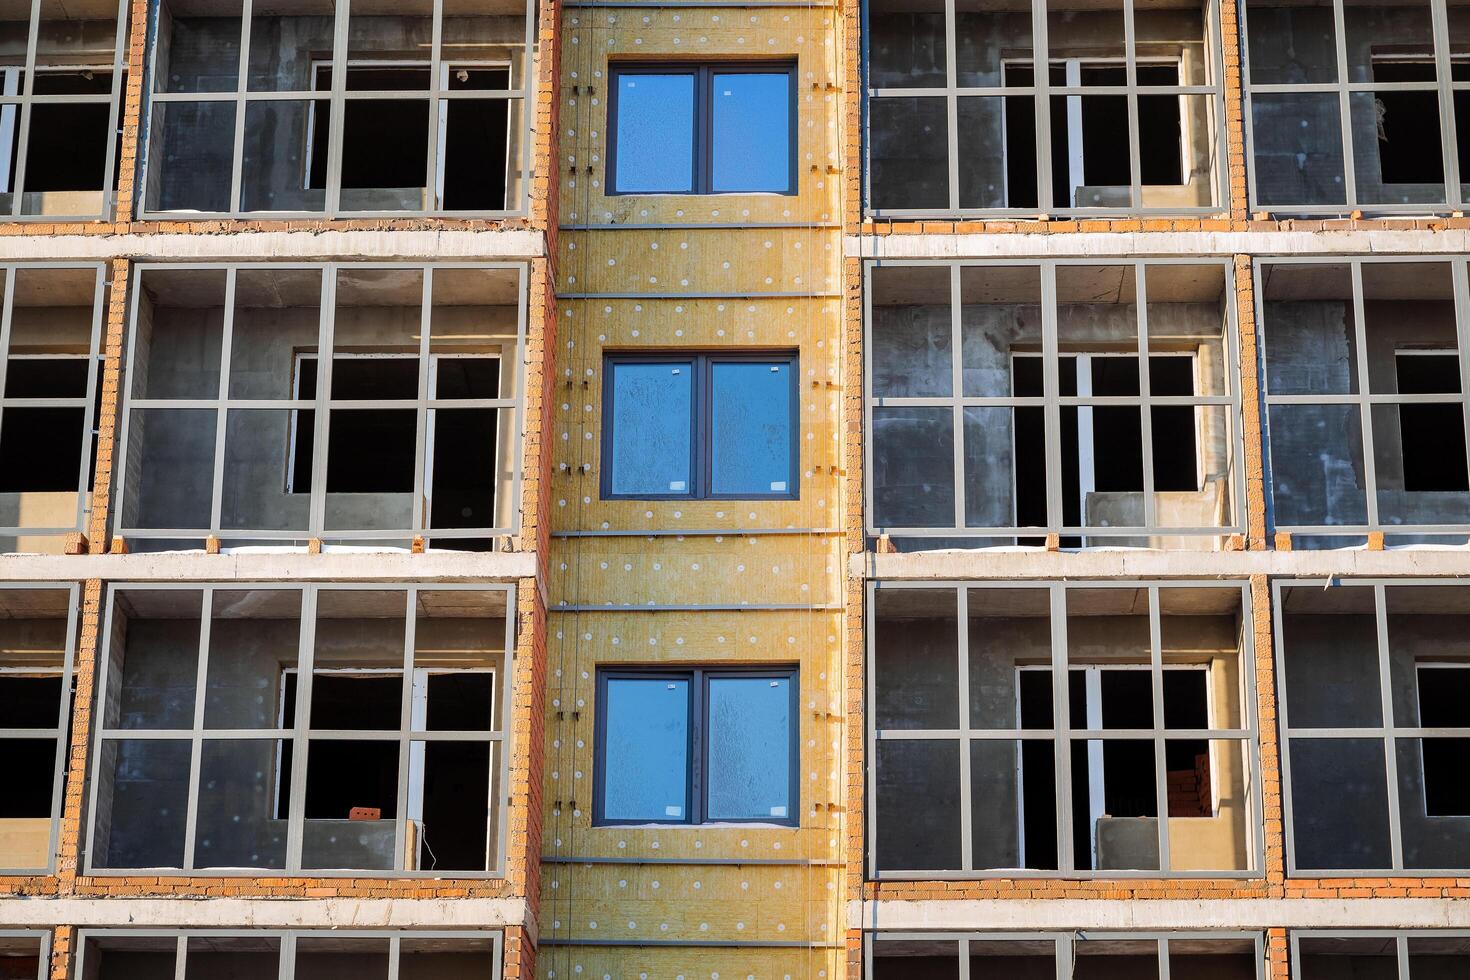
473, 141
28, 699
1102, 445
66, 149
41, 447
1409, 148
462, 442
1432, 436
1089, 133
1444, 702
1112, 778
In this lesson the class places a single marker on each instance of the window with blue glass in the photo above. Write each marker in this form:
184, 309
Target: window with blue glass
700, 426
703, 129
684, 745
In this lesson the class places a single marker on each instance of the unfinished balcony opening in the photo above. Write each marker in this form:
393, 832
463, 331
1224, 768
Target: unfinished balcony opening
270, 954
338, 731
1366, 401
1010, 789
50, 390
25, 955
59, 95
987, 134
1044, 410
1439, 954
37, 633
361, 108
1342, 124
1066, 956
387, 414
1375, 726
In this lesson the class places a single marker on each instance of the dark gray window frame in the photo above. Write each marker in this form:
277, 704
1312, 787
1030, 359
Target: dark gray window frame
87, 403
1063, 735
288, 938
242, 96
323, 405
1443, 85
62, 731
1065, 945
1364, 398
503, 738
703, 73
1042, 90
1399, 936
696, 788
701, 460
1388, 732
1052, 401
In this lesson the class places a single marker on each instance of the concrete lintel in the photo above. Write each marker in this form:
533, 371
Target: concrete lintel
266, 913
1123, 563
291, 566
1043, 914
1126, 245
316, 246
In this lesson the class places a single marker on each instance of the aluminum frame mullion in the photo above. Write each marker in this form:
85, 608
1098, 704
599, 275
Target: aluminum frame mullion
1145, 411
23, 124
1041, 83
333, 203
89, 408
962, 692
237, 152
1161, 777
221, 415
1051, 387
1344, 109
952, 112
956, 374
1461, 286
870, 738
419, 515
5, 318
433, 186
201, 681
301, 744
1390, 744
1061, 730
1365, 410
1130, 68
327, 328
405, 729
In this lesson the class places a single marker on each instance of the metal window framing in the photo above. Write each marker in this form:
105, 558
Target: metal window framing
1062, 735
435, 98
324, 405
61, 732
1042, 91
87, 403
1052, 401
1444, 86
1387, 732
42, 938
301, 734
288, 939
702, 135
27, 98
1400, 938
1065, 948
701, 441
698, 748
1364, 398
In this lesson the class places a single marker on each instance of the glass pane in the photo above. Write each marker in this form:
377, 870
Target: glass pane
913, 467
750, 428
750, 724
918, 794
1339, 800
750, 132
1330, 654
144, 796
239, 825
1291, 43
906, 44
201, 49
278, 154
911, 330
1317, 464
652, 428
645, 753
908, 153
654, 142
190, 158
1297, 139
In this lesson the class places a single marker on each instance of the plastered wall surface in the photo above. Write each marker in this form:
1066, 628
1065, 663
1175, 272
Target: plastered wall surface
707, 583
